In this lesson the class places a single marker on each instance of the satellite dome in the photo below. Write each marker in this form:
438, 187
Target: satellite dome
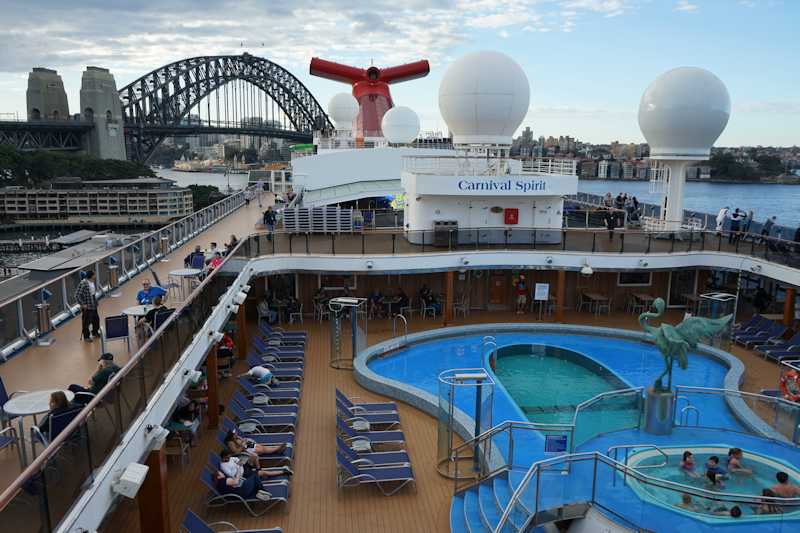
343, 109
400, 125
484, 97
683, 112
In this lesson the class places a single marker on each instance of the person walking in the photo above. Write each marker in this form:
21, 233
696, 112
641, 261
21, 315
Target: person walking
610, 222
721, 219
247, 197
269, 222
522, 295
260, 195
767, 228
87, 299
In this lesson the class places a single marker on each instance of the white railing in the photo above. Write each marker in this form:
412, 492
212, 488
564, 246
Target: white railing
476, 166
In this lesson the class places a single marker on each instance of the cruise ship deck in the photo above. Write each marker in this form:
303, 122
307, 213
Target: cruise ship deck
313, 505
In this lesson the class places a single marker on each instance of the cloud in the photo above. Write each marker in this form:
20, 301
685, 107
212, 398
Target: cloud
789, 106
686, 7
504, 34
611, 8
751, 3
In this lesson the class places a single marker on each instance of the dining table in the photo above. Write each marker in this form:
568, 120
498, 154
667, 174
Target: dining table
596, 300
692, 302
645, 298
31, 404
184, 273
388, 302
278, 306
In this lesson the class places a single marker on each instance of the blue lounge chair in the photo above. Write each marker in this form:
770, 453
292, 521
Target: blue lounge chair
260, 398
364, 421
262, 421
280, 395
752, 324
793, 344
214, 498
373, 459
276, 338
349, 475
264, 410
251, 388
365, 441
267, 439
278, 373
381, 407
215, 462
194, 524
779, 354
774, 336
279, 458
276, 329
284, 351
764, 327
278, 365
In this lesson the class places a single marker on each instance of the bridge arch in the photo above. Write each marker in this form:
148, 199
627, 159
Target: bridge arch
163, 98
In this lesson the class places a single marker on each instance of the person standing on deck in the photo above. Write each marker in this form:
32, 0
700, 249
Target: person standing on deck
767, 228
260, 195
522, 295
610, 222
247, 197
607, 201
736, 218
87, 299
269, 222
721, 219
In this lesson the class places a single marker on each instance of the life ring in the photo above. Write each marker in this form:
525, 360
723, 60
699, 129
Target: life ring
785, 377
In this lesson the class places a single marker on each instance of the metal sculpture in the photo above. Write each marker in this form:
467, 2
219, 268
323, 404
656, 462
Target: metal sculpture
674, 341
370, 88
157, 105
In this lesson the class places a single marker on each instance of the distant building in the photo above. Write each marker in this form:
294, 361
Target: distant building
588, 169
602, 169
627, 170
614, 170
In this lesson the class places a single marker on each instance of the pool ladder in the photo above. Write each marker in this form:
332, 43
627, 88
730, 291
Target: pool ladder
488, 340
628, 447
394, 328
688, 409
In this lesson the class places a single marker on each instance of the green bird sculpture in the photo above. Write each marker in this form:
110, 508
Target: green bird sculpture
674, 341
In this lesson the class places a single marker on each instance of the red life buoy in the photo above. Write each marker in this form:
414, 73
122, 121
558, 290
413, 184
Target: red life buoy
786, 376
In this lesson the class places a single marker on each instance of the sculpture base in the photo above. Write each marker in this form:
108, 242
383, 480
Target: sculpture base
659, 412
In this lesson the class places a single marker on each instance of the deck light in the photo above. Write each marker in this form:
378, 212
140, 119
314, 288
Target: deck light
216, 335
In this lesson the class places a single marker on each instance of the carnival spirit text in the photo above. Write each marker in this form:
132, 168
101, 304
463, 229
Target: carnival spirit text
491, 185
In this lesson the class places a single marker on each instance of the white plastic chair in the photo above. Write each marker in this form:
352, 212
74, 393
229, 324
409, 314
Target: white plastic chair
587, 303
463, 307
425, 310
297, 314
605, 306
408, 308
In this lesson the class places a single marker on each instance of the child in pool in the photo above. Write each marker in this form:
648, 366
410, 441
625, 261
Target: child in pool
768, 507
713, 466
687, 466
686, 504
714, 480
734, 465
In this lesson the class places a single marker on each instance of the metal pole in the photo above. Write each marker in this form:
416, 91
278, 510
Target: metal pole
475, 460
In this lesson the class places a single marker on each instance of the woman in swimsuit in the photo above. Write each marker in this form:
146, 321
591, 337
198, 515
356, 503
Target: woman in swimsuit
238, 445
687, 466
768, 507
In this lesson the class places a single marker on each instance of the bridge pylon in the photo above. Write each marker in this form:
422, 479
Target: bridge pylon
100, 105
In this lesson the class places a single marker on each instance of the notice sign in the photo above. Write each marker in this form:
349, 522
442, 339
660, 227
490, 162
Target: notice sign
555, 444
542, 291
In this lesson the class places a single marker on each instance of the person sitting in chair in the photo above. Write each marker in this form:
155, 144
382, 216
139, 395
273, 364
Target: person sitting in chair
232, 465
187, 261
375, 301
150, 317
148, 293
58, 404
105, 368
263, 308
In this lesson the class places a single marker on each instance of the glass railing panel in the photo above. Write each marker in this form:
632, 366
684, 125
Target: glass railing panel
374, 243
27, 511
132, 396
71, 466
634, 242
56, 300
280, 243
612, 495
71, 282
609, 413
104, 427
151, 368
580, 241
29, 311
170, 344
102, 272
9, 327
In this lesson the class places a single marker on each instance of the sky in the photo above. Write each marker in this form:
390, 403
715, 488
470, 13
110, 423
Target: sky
587, 61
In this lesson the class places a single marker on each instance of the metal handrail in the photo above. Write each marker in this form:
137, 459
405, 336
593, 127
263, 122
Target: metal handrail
602, 396
627, 447
394, 327
688, 408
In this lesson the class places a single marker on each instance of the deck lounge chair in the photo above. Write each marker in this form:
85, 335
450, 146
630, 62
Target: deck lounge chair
381, 407
255, 436
273, 337
264, 346
351, 476
373, 459
215, 462
752, 324
764, 327
278, 365
278, 373
279, 458
252, 390
264, 410
194, 524
214, 498
774, 336
262, 421
364, 421
365, 441
794, 343
783, 352
279, 395
281, 331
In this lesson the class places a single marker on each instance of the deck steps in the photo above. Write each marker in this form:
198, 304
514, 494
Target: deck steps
458, 522
472, 512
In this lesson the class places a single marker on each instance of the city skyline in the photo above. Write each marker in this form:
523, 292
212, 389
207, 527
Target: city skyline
587, 61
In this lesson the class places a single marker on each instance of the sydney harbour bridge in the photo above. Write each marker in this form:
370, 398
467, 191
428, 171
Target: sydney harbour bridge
243, 94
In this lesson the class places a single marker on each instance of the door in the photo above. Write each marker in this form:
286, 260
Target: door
497, 291
681, 282
478, 218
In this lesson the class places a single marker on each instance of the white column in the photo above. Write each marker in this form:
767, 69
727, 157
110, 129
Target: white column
676, 186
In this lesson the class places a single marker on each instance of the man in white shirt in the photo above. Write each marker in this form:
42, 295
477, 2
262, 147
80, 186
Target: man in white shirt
259, 372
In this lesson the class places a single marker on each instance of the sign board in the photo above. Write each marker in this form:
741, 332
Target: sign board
542, 291
555, 444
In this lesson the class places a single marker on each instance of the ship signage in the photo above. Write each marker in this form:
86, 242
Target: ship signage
504, 185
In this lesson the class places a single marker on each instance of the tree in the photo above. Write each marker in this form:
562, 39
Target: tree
201, 195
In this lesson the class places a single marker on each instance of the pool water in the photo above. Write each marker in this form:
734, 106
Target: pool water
548, 383
763, 476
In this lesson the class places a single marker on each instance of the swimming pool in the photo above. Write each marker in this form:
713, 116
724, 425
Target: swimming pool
764, 469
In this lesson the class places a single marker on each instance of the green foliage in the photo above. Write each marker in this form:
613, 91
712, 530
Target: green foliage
250, 155
32, 168
168, 156
725, 167
201, 195
769, 164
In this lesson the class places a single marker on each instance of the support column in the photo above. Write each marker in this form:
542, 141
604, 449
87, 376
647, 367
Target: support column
702, 281
154, 493
562, 277
212, 378
788, 311
448, 298
241, 332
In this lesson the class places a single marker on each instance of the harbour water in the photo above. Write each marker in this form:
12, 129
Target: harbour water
764, 200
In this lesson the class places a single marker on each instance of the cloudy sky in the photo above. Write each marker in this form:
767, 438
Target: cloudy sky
587, 61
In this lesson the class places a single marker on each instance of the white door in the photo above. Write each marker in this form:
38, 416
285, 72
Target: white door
543, 214
478, 218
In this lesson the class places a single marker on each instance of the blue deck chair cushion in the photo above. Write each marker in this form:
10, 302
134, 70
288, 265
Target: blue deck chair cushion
247, 405
350, 476
389, 419
373, 459
378, 407
278, 365
283, 422
269, 439
194, 524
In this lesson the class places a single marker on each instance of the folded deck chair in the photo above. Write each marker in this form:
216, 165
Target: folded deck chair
373, 459
793, 342
351, 476
379, 407
194, 524
262, 421
277, 396
278, 458
214, 498
775, 336
365, 441
215, 462
764, 327
292, 373
264, 410
278, 365
365, 421
267, 439
281, 331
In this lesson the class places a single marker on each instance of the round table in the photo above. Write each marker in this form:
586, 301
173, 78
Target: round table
137, 310
185, 273
31, 404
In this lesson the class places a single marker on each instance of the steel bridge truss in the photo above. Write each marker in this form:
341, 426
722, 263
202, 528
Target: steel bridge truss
157, 105
29, 136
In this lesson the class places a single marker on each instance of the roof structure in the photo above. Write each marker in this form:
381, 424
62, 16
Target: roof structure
352, 191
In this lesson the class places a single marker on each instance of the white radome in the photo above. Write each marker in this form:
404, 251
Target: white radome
400, 125
343, 109
683, 112
484, 97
